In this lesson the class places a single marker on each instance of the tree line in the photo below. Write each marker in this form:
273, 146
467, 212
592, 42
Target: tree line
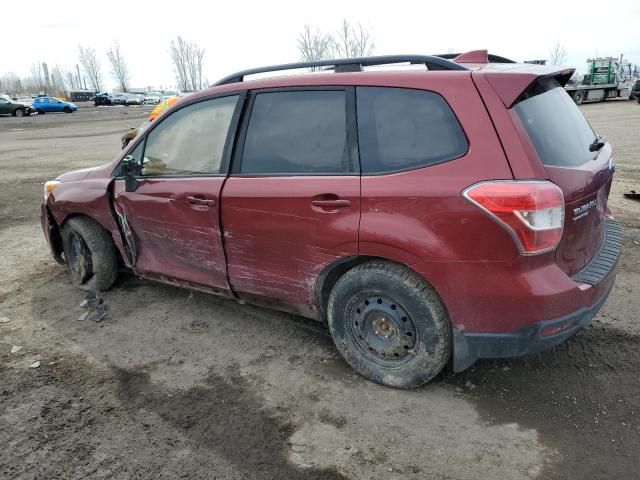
188, 58
88, 74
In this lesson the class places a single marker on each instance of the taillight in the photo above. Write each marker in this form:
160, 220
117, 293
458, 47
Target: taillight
531, 211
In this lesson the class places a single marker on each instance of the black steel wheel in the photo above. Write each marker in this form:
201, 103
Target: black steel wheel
381, 328
389, 324
89, 253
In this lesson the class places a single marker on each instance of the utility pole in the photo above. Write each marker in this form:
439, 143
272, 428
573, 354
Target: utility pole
79, 78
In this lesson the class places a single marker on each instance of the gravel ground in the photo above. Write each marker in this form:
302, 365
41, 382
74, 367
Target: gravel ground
179, 384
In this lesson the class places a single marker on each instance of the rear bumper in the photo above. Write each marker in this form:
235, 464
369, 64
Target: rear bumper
469, 347
593, 285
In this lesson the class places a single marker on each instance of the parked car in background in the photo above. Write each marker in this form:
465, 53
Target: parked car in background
102, 99
152, 98
170, 93
426, 216
53, 104
28, 101
119, 99
133, 99
8, 106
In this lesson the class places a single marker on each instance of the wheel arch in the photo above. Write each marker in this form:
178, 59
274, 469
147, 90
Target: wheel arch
95, 220
335, 270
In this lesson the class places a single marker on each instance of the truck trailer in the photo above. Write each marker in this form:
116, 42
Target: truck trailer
608, 77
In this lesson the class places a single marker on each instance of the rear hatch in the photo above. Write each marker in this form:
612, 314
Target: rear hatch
576, 159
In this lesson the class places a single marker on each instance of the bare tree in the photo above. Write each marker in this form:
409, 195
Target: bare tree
10, 83
196, 62
178, 50
58, 82
119, 68
37, 81
313, 44
91, 66
352, 41
349, 41
188, 63
558, 55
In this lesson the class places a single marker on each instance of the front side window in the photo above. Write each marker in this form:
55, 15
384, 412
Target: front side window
400, 128
297, 132
190, 140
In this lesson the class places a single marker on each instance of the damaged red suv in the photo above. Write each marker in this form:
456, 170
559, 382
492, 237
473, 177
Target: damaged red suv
449, 210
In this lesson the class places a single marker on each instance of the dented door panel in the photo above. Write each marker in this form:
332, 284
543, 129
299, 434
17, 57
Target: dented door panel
170, 236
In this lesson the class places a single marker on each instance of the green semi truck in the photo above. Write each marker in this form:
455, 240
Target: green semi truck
608, 77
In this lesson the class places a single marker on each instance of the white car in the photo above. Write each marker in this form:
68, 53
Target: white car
152, 98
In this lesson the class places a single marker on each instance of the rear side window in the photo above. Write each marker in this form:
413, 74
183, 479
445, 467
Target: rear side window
401, 128
558, 130
297, 132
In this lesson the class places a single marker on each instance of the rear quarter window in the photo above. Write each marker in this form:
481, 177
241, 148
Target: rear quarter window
401, 129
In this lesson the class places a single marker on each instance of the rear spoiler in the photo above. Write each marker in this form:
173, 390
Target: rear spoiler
512, 80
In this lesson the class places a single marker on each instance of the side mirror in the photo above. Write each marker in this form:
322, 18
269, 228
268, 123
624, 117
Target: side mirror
131, 169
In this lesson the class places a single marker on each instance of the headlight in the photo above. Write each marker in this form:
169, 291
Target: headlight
49, 187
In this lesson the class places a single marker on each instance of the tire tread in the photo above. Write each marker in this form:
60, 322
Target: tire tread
103, 252
423, 292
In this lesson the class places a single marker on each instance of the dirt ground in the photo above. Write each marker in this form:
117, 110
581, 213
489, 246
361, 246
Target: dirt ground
177, 384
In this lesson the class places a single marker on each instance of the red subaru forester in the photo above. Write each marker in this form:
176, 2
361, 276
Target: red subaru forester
451, 209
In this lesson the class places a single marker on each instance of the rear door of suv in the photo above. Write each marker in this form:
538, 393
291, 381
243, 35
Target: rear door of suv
291, 205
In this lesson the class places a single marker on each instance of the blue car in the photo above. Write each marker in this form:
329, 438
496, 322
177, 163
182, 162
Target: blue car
53, 104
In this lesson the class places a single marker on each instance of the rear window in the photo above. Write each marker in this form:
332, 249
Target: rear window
400, 128
558, 130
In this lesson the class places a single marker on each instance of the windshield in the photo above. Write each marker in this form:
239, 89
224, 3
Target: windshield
558, 130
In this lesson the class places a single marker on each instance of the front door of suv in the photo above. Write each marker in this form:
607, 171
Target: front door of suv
291, 205
171, 221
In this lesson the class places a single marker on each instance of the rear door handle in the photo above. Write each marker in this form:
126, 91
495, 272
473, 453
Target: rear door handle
337, 203
198, 200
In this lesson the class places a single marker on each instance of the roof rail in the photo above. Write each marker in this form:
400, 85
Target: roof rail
349, 65
491, 57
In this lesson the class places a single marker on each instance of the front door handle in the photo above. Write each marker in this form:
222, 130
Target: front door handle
335, 203
200, 200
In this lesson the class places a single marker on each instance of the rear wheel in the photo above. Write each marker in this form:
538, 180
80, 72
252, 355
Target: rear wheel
578, 97
389, 325
90, 254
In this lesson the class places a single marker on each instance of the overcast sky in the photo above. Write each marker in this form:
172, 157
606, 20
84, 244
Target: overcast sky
239, 35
